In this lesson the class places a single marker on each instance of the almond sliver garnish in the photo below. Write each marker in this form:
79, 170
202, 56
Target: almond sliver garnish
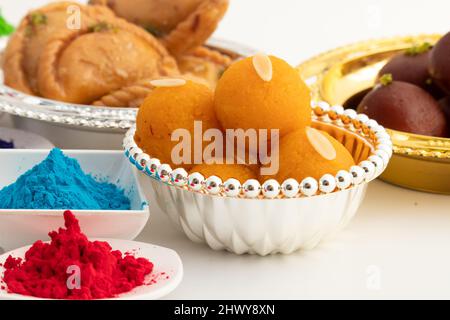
167, 83
321, 144
263, 66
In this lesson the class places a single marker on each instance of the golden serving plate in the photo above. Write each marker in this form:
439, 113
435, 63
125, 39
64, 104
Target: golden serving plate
341, 76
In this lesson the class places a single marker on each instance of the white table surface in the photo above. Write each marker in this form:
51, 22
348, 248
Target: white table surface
398, 246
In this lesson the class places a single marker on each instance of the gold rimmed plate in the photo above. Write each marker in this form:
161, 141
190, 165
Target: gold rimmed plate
342, 76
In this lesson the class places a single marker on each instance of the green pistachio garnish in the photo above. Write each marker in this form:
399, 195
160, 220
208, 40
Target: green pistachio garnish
37, 18
102, 27
386, 79
419, 49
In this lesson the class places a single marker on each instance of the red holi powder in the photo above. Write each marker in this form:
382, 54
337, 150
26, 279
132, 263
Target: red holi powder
72, 267
155, 277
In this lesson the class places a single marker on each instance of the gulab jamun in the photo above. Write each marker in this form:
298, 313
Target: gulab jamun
445, 105
412, 66
405, 107
439, 66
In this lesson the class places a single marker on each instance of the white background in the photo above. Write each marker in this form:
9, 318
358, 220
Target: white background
398, 246
298, 29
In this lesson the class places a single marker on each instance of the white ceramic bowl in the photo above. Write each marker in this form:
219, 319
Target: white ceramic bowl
287, 223
23, 227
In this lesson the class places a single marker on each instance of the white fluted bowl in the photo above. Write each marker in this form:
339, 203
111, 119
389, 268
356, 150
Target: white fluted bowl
267, 226
258, 226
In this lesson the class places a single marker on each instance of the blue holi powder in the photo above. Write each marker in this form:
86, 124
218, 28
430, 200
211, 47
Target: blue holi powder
59, 183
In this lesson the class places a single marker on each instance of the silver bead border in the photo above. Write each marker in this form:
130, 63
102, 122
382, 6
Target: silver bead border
364, 172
